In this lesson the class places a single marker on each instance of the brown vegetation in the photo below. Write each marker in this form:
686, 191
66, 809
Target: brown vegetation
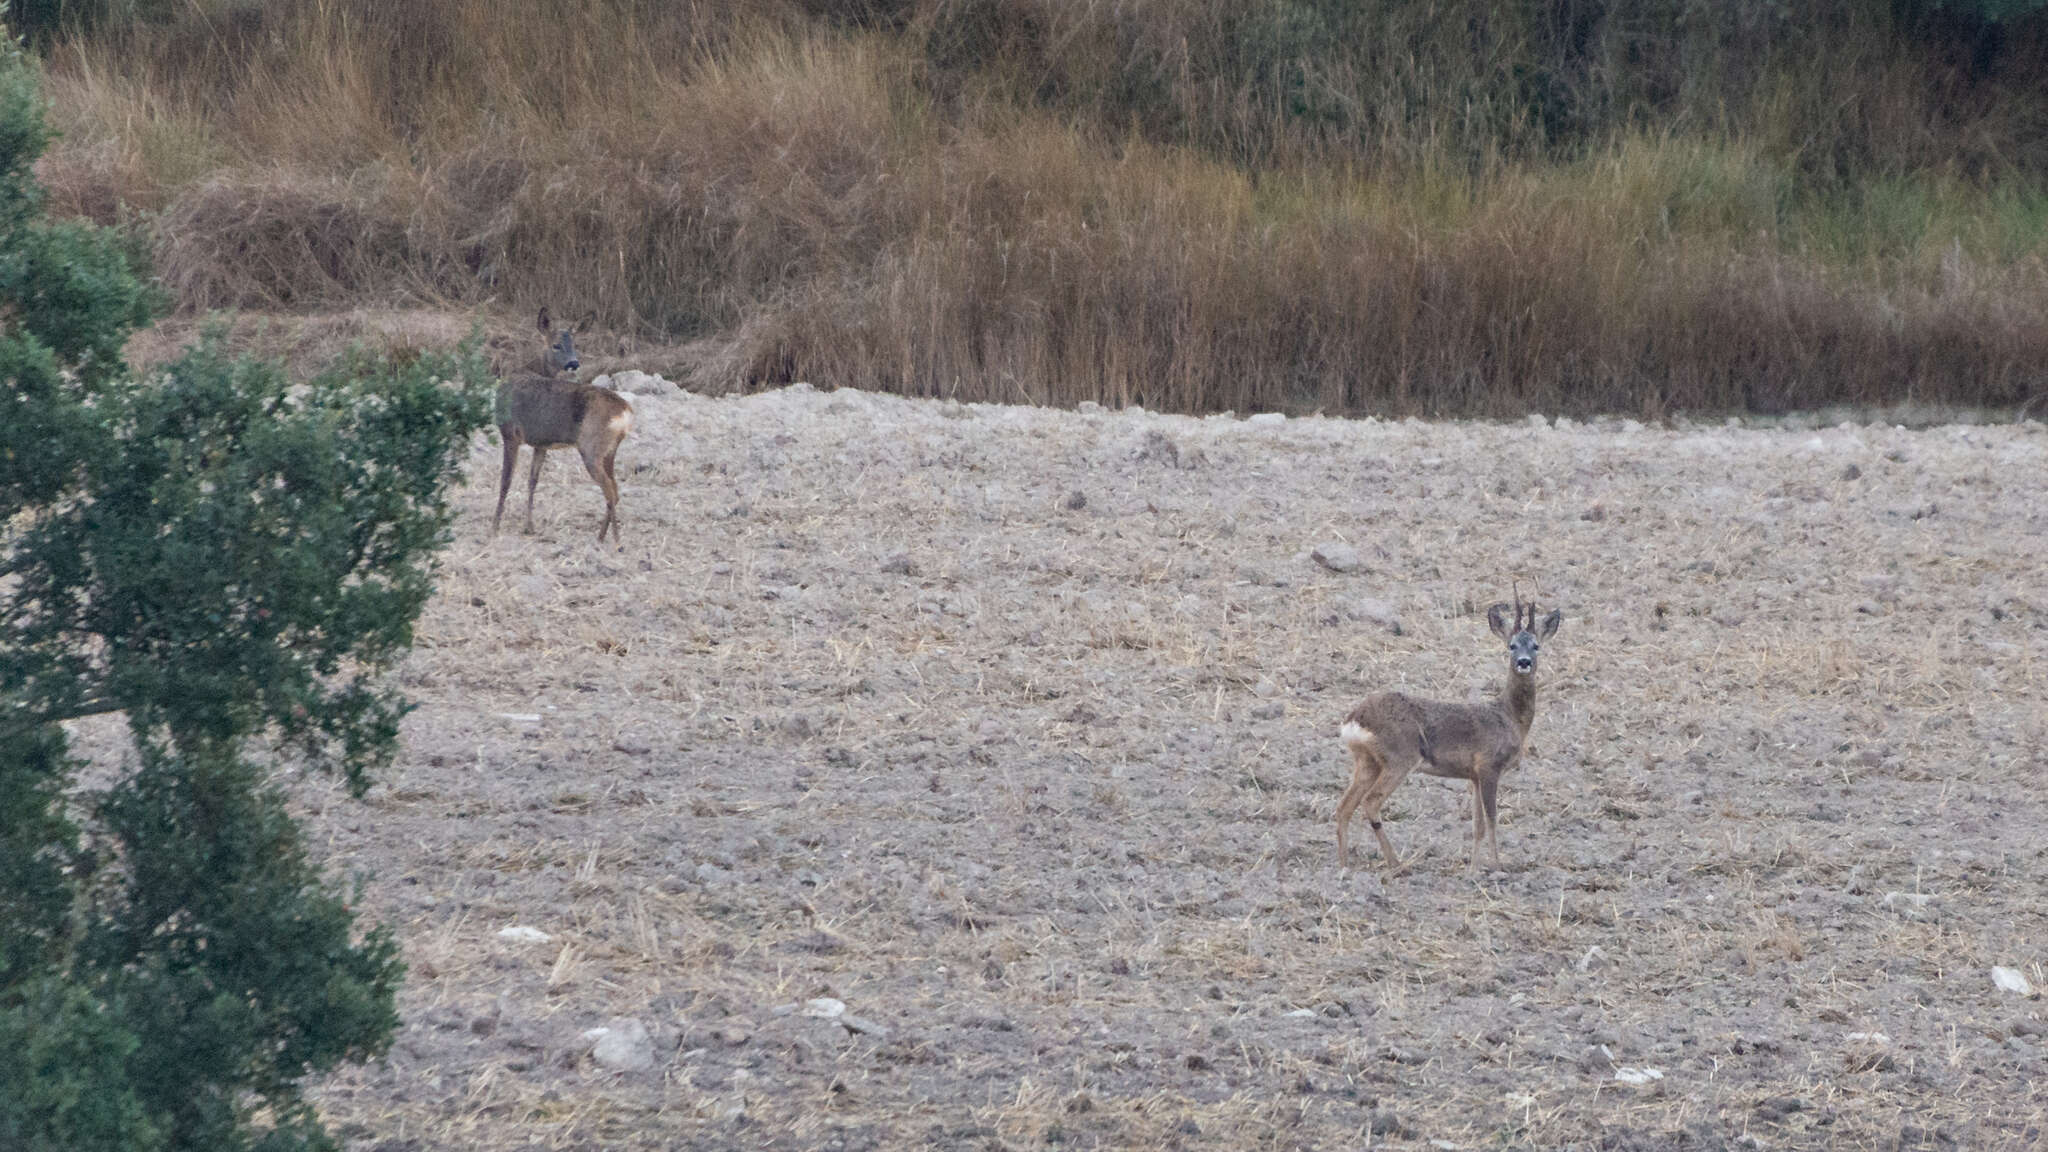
1188, 205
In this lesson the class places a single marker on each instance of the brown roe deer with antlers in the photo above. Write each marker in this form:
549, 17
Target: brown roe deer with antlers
1390, 735
541, 407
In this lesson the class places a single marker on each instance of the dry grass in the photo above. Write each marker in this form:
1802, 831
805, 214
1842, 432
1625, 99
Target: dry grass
864, 710
1057, 203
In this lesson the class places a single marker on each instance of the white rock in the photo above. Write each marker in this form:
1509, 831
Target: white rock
2012, 980
520, 717
1638, 1075
1267, 418
1301, 1012
1911, 905
622, 1046
523, 934
863, 1025
641, 383
1337, 557
1157, 448
825, 1008
1867, 1038
1378, 612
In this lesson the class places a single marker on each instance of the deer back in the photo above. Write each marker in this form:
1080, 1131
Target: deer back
1447, 737
547, 412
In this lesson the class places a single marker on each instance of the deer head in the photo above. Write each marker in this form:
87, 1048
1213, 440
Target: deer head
1525, 638
560, 356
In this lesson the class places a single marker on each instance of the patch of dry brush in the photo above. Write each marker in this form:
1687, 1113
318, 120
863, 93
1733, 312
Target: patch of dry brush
888, 201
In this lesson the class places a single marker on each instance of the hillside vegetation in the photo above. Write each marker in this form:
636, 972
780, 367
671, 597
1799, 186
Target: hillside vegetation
1475, 207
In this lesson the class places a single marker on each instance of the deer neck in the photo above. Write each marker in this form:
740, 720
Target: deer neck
1518, 700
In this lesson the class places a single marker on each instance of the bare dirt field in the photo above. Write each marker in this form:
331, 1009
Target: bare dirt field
1014, 732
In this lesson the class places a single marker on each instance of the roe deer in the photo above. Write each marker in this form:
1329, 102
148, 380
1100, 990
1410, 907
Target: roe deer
541, 407
1390, 734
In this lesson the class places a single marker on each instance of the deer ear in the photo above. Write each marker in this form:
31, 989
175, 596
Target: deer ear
546, 324
1496, 621
584, 324
1550, 624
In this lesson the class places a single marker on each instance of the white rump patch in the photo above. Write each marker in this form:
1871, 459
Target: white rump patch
1355, 733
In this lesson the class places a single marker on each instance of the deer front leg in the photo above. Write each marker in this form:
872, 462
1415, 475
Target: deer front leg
532, 482
1488, 787
1478, 826
512, 441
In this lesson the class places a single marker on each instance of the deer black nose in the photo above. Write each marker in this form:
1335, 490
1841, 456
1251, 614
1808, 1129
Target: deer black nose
572, 365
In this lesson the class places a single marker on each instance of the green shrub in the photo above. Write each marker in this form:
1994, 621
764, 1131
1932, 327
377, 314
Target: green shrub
225, 559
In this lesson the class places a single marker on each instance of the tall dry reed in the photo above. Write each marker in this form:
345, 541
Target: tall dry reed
1452, 208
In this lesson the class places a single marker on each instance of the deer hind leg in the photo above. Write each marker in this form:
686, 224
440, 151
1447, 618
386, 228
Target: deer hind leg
598, 440
611, 492
512, 441
1376, 797
600, 469
1365, 769
532, 482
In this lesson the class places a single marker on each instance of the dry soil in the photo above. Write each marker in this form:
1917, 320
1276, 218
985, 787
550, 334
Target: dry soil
1014, 731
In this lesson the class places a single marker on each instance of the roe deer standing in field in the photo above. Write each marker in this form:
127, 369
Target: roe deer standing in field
1390, 734
541, 407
